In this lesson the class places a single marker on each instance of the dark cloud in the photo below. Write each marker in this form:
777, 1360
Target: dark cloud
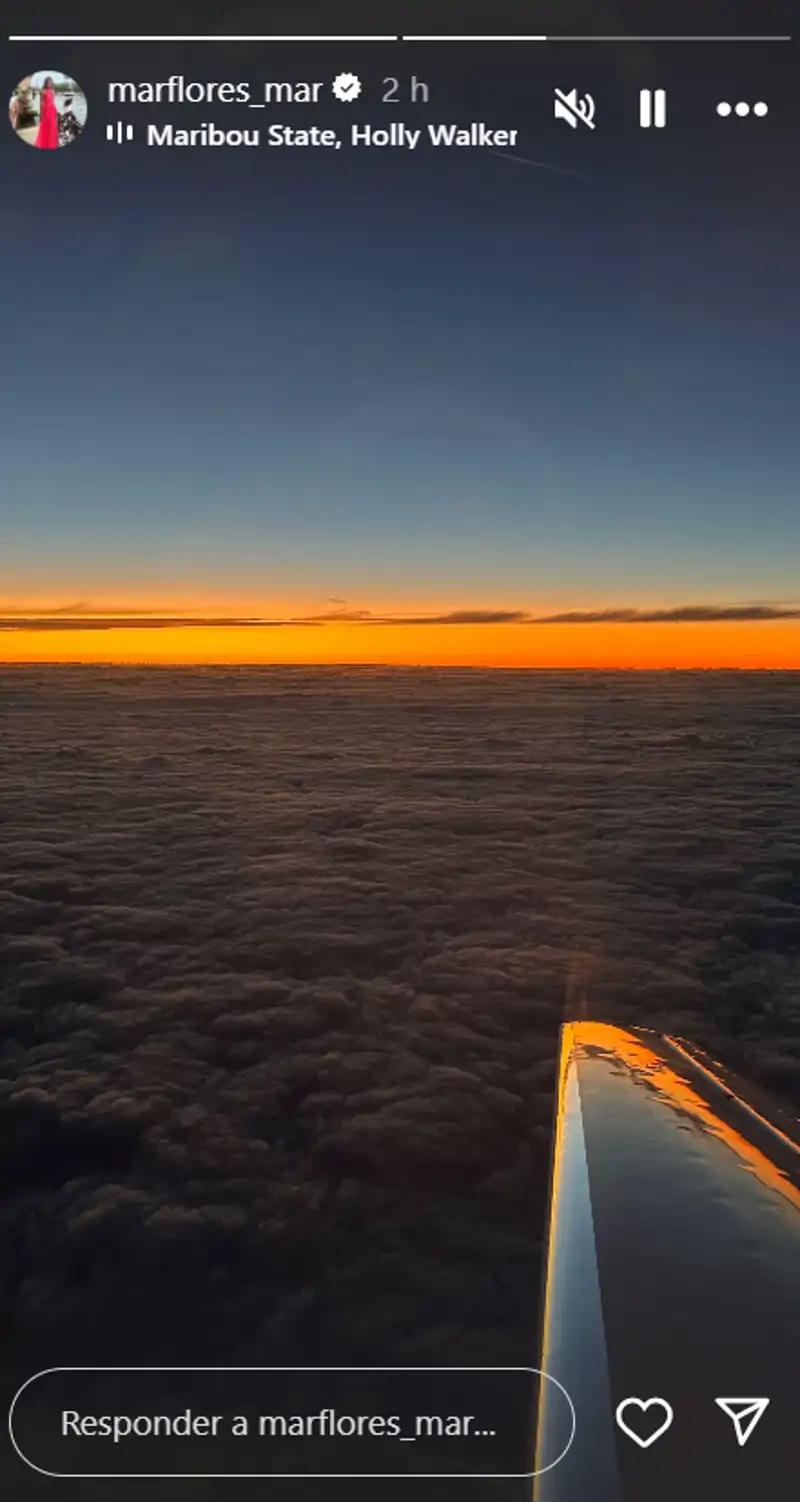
458, 618
283, 955
676, 613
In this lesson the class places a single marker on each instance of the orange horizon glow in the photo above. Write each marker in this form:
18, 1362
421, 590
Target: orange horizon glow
641, 645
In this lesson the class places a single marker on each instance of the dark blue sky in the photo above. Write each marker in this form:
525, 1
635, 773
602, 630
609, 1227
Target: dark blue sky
281, 377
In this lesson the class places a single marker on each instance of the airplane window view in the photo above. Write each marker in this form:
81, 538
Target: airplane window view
400, 752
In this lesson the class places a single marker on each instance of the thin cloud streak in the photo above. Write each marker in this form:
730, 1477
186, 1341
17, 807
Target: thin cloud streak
123, 622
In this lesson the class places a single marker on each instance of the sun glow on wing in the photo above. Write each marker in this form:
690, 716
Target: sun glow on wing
675, 1090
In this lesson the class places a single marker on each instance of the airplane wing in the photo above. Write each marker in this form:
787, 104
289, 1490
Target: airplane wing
672, 1279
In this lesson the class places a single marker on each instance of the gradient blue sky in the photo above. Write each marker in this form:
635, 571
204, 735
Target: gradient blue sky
390, 379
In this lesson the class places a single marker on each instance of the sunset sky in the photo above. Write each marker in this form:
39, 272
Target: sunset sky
360, 393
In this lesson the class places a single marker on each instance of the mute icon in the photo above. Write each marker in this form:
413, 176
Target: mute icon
574, 110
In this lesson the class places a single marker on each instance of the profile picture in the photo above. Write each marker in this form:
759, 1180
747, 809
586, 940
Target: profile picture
48, 109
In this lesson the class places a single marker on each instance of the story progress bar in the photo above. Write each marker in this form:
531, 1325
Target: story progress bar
204, 37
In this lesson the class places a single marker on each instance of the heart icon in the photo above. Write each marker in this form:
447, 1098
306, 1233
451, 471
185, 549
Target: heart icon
640, 1406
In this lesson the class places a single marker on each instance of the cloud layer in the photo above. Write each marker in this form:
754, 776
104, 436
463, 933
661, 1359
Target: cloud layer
283, 955
84, 618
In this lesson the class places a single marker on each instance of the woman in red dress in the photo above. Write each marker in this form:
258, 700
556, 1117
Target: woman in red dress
48, 118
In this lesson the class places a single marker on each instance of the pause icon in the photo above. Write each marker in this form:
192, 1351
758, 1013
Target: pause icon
653, 108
